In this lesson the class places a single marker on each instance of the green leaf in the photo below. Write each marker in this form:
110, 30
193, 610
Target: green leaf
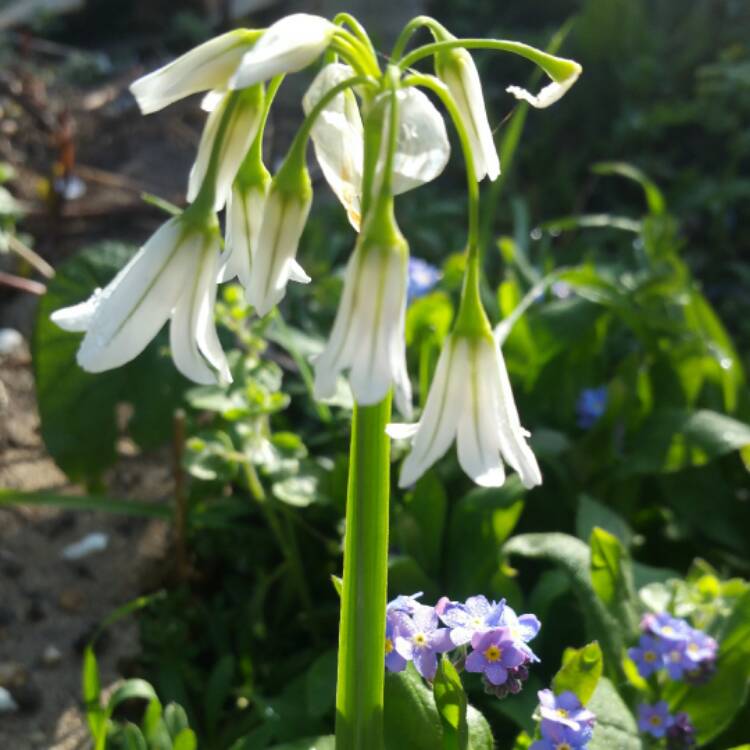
654, 196
615, 726
411, 717
185, 740
479, 524
134, 689
86, 502
320, 684
580, 672
673, 439
312, 743
593, 513
133, 738
451, 702
421, 521
176, 719
713, 705
217, 690
78, 410
612, 579
91, 694
574, 557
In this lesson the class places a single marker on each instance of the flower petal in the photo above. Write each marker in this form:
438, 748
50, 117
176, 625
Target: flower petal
513, 444
426, 662
478, 441
208, 66
183, 329
138, 301
288, 45
552, 91
244, 218
438, 425
78, 317
423, 148
338, 138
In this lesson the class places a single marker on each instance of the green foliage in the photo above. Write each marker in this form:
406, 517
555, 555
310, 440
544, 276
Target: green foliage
580, 672
79, 410
415, 717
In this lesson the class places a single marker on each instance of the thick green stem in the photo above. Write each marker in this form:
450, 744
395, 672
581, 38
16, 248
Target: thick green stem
361, 670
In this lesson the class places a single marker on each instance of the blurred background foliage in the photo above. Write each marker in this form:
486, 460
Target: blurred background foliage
616, 242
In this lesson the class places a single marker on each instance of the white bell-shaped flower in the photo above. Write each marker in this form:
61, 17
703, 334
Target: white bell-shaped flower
368, 333
172, 276
338, 138
457, 70
290, 44
243, 111
285, 214
470, 401
208, 66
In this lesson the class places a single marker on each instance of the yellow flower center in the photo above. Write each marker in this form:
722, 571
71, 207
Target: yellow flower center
649, 656
675, 655
655, 720
693, 648
562, 713
419, 639
667, 630
388, 645
564, 746
493, 653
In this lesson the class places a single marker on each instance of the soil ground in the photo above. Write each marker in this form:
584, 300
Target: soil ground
49, 606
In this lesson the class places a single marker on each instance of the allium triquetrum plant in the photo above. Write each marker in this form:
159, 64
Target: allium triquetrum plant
376, 133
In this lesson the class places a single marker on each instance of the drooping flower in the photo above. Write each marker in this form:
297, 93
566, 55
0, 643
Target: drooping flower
241, 113
422, 278
647, 655
173, 276
591, 405
338, 138
565, 710
470, 400
494, 653
208, 66
285, 213
290, 44
475, 615
420, 638
368, 333
654, 719
456, 68
564, 73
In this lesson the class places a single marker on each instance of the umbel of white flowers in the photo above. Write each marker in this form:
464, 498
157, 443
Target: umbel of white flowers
376, 134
